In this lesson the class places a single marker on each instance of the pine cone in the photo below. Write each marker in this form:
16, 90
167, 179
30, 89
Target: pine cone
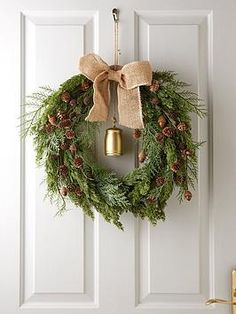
78, 162
179, 179
52, 120
78, 191
186, 152
160, 181
85, 85
65, 96
136, 134
73, 148
168, 131
162, 121
71, 188
182, 126
172, 115
155, 101
49, 128
188, 195
63, 170
160, 137
70, 134
63, 191
73, 102
64, 146
155, 86
62, 115
87, 100
175, 167
141, 156
65, 123
151, 199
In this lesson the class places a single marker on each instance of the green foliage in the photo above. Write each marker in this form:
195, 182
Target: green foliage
88, 185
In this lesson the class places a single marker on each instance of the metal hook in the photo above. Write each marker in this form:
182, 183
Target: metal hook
115, 13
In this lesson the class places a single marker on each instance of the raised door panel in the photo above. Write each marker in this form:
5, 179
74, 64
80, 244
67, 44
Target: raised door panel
59, 255
173, 260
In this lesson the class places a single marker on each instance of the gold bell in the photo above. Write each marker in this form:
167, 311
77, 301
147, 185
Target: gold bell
113, 141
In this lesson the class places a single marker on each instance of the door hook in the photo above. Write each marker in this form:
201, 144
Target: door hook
115, 13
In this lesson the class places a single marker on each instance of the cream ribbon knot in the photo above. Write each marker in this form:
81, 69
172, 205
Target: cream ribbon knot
129, 78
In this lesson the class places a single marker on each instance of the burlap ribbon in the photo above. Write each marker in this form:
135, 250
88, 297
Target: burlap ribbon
129, 78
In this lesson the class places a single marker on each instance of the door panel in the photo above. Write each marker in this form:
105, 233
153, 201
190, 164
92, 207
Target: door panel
59, 253
174, 268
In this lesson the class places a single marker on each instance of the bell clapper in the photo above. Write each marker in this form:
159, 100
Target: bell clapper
114, 121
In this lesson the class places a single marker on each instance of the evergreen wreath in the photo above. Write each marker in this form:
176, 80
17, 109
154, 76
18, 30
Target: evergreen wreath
64, 144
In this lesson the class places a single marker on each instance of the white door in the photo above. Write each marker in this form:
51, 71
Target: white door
71, 264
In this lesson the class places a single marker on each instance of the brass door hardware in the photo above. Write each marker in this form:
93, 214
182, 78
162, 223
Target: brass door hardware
219, 301
231, 302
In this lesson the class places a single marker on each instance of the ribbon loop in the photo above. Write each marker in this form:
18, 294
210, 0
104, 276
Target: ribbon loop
129, 78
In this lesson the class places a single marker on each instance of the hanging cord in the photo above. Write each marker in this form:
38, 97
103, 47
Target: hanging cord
115, 14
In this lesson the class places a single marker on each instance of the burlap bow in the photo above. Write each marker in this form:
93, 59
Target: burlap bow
129, 78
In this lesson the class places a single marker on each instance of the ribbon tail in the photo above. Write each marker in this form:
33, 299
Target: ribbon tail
100, 110
130, 108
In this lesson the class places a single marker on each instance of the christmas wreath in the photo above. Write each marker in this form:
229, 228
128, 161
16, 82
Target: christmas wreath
64, 143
